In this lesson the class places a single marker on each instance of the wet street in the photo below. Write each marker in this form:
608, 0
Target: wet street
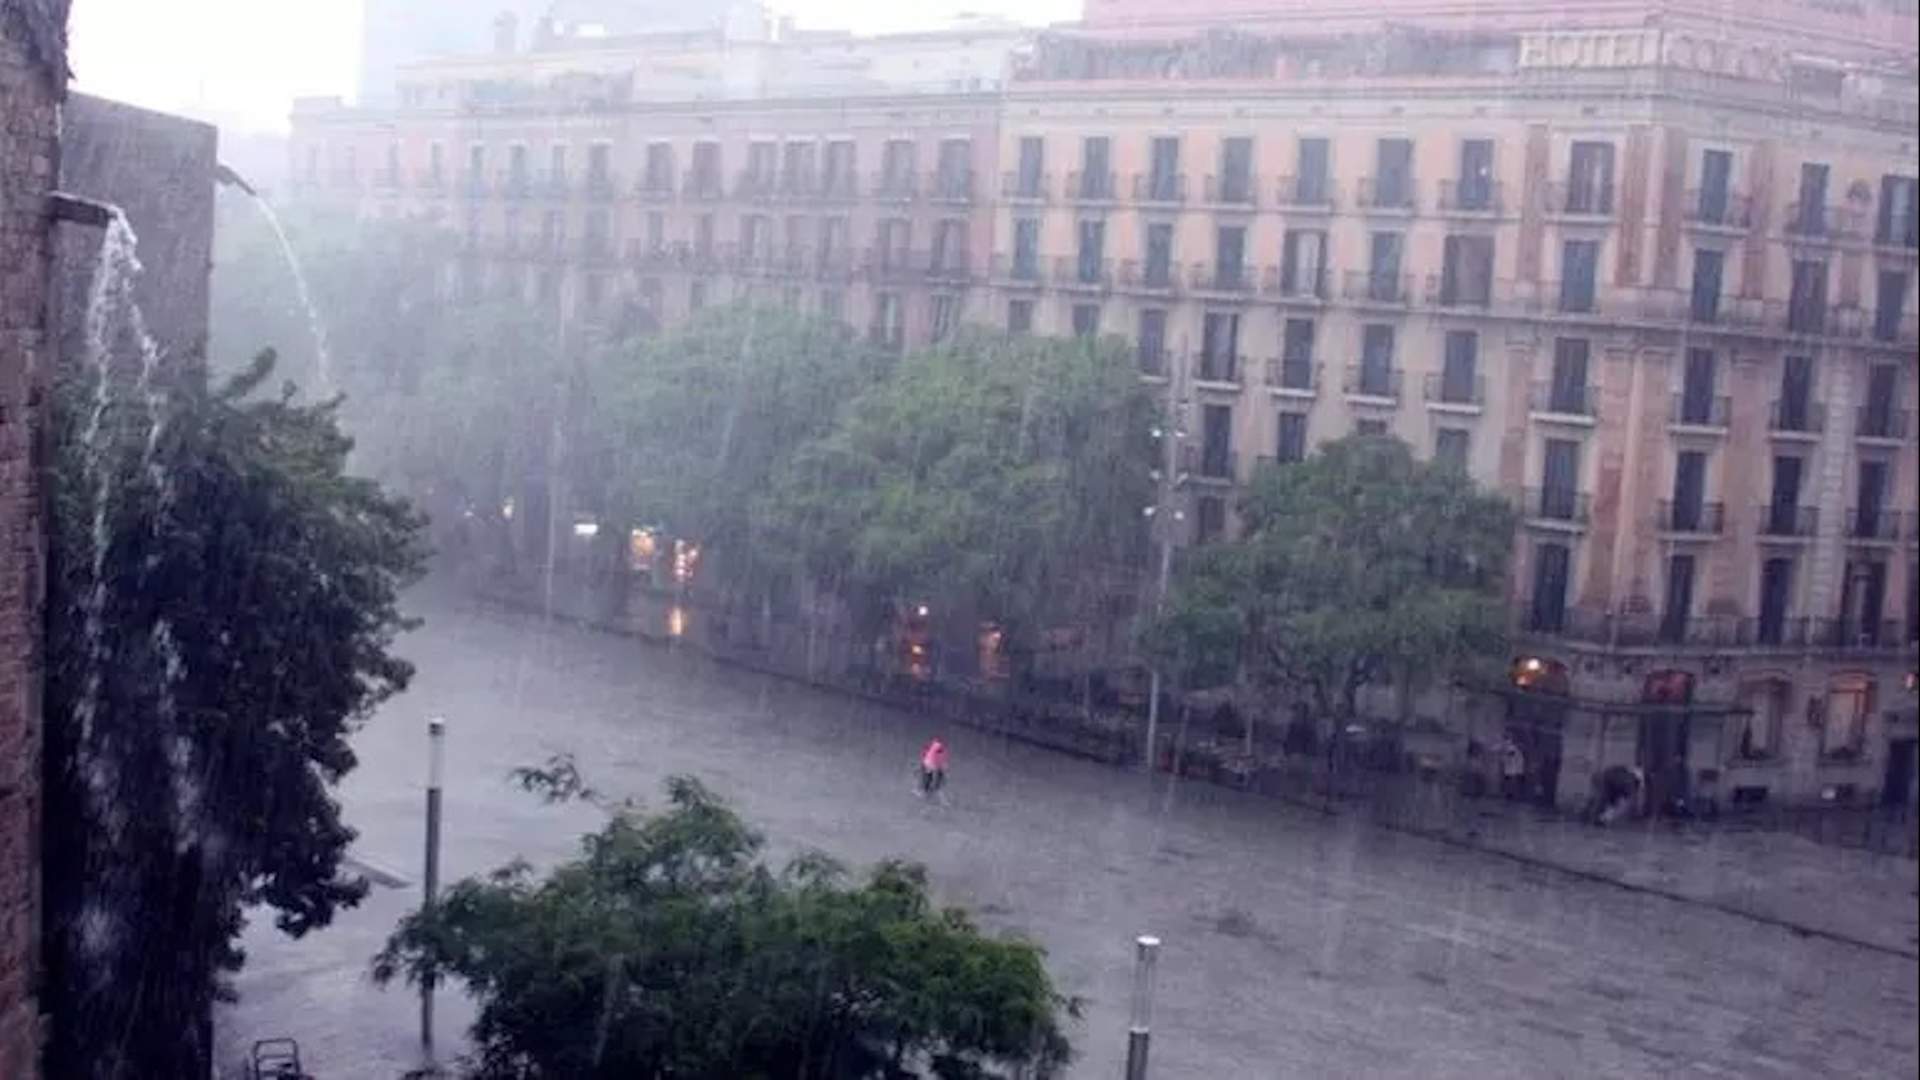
1294, 945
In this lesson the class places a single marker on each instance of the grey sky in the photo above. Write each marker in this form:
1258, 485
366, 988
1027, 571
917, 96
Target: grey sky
241, 61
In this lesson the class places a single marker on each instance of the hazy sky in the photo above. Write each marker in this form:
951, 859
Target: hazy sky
242, 61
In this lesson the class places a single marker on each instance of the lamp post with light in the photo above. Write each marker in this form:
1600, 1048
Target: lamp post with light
1166, 514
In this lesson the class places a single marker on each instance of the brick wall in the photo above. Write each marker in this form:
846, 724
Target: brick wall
30, 86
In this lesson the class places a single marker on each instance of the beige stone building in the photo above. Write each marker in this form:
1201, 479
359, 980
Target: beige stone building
1649, 268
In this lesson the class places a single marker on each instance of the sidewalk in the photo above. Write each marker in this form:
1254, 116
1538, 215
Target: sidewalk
1861, 897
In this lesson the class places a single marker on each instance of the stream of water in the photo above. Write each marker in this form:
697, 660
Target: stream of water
323, 362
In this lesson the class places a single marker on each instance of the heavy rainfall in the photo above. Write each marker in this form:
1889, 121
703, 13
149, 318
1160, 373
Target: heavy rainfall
609, 538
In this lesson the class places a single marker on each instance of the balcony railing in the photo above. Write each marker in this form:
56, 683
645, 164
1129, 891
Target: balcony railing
601, 186
1374, 287
1564, 399
1152, 362
474, 184
1442, 390
1700, 410
952, 186
1880, 422
512, 185
899, 185
839, 186
1219, 366
1472, 197
1557, 504
1697, 518
1855, 634
1082, 272
1169, 188
755, 186
1787, 520
1386, 196
1150, 276
1800, 418
1645, 628
1815, 222
1723, 210
1232, 192
1373, 381
1293, 373
1872, 523
1579, 200
1228, 278
1307, 193
1458, 292
1030, 187
656, 187
699, 185
1208, 466
1018, 268
1310, 287
1090, 186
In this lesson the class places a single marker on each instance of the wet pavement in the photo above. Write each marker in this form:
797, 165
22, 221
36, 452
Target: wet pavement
1295, 945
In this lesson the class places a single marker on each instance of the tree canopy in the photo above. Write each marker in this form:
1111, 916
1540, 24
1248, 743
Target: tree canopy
667, 948
222, 609
1359, 562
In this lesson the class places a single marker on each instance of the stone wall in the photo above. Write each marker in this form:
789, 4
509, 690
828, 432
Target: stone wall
32, 78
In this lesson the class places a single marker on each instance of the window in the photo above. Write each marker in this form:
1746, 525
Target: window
1159, 262
1679, 603
1093, 247
696, 296
1689, 489
1783, 509
1153, 341
833, 241
1312, 185
889, 320
706, 169
1716, 175
1026, 248
1475, 190
1236, 170
656, 230
1086, 320
955, 176
1590, 178
1899, 221
1549, 610
1810, 212
755, 237
1383, 273
1451, 447
796, 168
390, 176
1766, 703
949, 255
599, 234
1708, 266
1878, 417
840, 168
1393, 173
436, 164
1466, 275
1863, 601
595, 293
553, 231
600, 167
1303, 263
1216, 441
1843, 730
1890, 303
518, 177
1807, 305
1370, 428
476, 165
1028, 180
896, 166
557, 166
1794, 412
1296, 356
1376, 361
1567, 393
1096, 177
1291, 443
1229, 256
895, 242
1560, 480
1871, 488
1220, 347
1776, 581
946, 314
1459, 381
1163, 181
659, 174
1696, 388
1210, 519
1019, 316
1579, 274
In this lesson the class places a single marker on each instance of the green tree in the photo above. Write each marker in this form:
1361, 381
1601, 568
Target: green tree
1359, 562
1002, 477
669, 949
222, 606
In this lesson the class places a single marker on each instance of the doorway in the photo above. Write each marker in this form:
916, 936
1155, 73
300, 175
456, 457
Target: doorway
1896, 789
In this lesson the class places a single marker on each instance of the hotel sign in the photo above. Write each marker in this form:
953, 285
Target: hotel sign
1652, 48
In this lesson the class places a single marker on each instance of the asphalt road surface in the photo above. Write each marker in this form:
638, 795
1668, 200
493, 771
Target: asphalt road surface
1294, 946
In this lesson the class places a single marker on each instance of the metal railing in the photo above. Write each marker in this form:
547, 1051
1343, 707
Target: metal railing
1456, 391
1723, 210
1565, 199
1872, 523
1152, 275
1788, 520
1701, 410
1454, 291
1293, 373
1019, 267
1389, 196
1472, 197
1200, 464
1562, 504
1155, 187
701, 185
896, 185
1373, 381
1219, 366
1564, 399
1818, 222
1152, 362
1241, 191
1082, 272
1030, 187
1805, 417
1374, 287
952, 186
1695, 518
1090, 186
1229, 278
1308, 286
1880, 422
1307, 193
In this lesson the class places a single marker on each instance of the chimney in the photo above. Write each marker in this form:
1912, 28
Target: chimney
506, 33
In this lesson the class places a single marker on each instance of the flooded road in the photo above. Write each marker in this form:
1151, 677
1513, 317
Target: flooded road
1294, 945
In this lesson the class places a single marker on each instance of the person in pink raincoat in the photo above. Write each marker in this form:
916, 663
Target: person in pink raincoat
933, 767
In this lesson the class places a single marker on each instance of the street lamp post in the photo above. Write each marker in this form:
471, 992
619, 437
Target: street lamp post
1165, 513
436, 771
1140, 1021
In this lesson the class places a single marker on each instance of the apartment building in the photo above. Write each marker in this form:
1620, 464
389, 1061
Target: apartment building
1649, 269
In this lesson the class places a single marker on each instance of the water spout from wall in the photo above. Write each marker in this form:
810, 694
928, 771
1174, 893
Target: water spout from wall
323, 362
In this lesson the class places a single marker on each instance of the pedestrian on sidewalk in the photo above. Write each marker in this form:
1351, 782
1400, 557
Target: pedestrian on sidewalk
933, 768
1513, 769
